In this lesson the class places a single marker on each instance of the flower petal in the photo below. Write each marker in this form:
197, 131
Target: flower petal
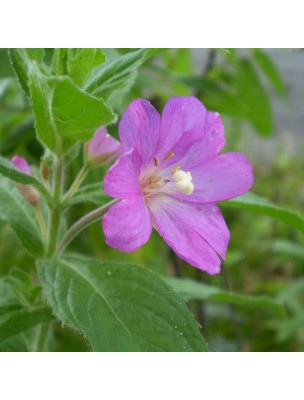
211, 144
122, 179
221, 178
183, 123
139, 128
128, 225
196, 232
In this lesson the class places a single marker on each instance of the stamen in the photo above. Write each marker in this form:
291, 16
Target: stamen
150, 179
170, 155
166, 180
156, 161
175, 169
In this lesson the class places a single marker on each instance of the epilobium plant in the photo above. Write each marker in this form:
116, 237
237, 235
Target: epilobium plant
168, 175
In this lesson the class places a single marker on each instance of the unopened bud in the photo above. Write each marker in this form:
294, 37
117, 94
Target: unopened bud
44, 170
28, 192
102, 149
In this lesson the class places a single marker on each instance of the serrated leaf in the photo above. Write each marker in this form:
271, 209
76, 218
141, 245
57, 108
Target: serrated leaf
20, 214
9, 171
113, 78
118, 307
192, 290
255, 203
82, 61
64, 114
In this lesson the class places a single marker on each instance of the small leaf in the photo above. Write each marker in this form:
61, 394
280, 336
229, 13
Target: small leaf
255, 203
118, 307
20, 214
192, 290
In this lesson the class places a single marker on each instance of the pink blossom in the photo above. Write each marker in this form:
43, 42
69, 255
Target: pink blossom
170, 177
29, 193
101, 149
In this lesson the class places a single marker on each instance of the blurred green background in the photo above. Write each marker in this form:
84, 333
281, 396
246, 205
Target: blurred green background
259, 93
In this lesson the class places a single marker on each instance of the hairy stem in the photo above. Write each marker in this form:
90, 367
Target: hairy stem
77, 182
57, 208
83, 223
41, 222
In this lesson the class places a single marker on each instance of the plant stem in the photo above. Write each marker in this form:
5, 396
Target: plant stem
77, 182
57, 208
41, 222
83, 223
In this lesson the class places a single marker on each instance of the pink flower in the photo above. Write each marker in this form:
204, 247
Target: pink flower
170, 177
30, 194
101, 149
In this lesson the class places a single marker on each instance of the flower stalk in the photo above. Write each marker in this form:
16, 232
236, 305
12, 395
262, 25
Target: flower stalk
83, 223
57, 207
77, 182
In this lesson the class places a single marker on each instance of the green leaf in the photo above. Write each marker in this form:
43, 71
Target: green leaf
192, 290
82, 61
13, 322
64, 114
22, 60
20, 214
118, 307
255, 203
270, 70
23, 286
9, 171
114, 78
59, 61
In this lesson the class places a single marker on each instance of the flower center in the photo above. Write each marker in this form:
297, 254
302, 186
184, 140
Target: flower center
166, 181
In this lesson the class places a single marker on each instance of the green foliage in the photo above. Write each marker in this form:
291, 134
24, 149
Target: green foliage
22, 315
118, 307
9, 171
64, 113
114, 78
192, 290
113, 306
20, 214
82, 61
270, 70
255, 203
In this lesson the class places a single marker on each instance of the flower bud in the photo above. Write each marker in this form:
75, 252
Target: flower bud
102, 149
45, 170
28, 192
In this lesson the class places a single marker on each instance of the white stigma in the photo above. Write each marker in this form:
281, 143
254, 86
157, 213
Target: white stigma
183, 182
